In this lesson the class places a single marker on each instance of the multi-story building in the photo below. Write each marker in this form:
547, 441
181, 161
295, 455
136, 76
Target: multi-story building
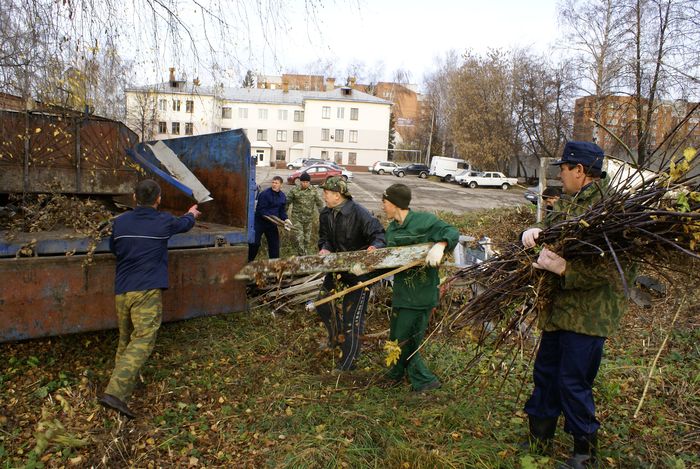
341, 124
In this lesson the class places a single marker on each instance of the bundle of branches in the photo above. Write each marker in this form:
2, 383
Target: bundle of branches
647, 218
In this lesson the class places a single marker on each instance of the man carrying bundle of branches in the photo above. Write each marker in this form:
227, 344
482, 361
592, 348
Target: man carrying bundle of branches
586, 303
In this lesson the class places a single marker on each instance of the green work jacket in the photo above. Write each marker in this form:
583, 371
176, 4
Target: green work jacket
305, 203
417, 288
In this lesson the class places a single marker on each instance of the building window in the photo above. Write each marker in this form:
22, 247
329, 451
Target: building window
339, 135
282, 114
162, 127
175, 128
176, 104
163, 105
298, 136
281, 135
341, 113
189, 106
225, 112
325, 134
326, 112
262, 114
353, 136
338, 157
354, 113
242, 112
262, 135
281, 155
189, 128
298, 116
324, 155
352, 157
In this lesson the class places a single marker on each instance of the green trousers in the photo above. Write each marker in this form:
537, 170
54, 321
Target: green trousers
139, 314
408, 327
303, 235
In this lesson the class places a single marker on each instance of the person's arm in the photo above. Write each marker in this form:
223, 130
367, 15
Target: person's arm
372, 231
282, 206
290, 200
441, 231
324, 245
319, 201
185, 222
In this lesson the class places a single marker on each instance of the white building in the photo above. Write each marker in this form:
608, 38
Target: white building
341, 124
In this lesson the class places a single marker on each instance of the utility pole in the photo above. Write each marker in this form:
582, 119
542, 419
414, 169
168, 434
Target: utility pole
430, 139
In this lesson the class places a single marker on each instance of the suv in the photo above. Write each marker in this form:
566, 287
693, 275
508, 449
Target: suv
381, 167
413, 169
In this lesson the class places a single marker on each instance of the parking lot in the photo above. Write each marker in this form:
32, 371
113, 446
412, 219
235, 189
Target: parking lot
428, 194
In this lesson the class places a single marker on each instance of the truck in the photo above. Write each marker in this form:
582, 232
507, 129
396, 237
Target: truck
488, 179
447, 168
60, 281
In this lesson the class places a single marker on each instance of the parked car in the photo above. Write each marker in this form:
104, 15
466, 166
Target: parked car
346, 173
296, 164
413, 169
461, 176
319, 173
490, 179
381, 167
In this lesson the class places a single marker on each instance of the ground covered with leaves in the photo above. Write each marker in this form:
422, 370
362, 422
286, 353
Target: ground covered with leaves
250, 389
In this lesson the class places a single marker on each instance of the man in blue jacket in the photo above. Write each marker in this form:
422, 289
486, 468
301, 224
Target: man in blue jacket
140, 241
271, 202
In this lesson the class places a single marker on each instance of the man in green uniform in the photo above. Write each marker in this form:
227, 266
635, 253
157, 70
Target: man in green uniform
415, 290
306, 203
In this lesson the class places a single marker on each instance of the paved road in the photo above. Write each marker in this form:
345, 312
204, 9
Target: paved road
428, 195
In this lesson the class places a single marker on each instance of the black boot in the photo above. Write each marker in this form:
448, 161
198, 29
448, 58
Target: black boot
584, 453
541, 434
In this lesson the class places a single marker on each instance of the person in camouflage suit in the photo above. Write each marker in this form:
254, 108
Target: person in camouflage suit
140, 242
306, 203
586, 304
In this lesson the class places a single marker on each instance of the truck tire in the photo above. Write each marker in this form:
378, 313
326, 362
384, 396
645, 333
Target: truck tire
380, 171
447, 178
473, 185
400, 174
423, 175
505, 186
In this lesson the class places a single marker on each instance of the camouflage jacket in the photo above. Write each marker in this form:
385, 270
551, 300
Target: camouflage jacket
589, 298
417, 288
305, 203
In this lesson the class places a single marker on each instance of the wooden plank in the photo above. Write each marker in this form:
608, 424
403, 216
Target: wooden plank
357, 261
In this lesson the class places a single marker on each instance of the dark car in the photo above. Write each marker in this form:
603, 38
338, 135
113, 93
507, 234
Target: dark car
413, 169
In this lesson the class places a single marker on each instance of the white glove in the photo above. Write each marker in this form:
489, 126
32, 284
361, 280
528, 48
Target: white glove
288, 225
529, 237
435, 255
357, 269
548, 260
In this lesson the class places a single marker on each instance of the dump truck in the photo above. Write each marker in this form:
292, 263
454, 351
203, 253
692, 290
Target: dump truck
58, 281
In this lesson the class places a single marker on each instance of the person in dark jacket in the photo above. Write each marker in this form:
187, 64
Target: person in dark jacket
345, 226
271, 201
140, 241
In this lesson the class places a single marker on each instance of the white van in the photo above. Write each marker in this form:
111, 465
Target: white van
447, 168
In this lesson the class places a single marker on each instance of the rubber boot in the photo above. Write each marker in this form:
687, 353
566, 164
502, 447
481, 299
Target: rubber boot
584, 453
539, 440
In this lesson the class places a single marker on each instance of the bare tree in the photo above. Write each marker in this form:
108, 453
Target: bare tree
438, 103
142, 117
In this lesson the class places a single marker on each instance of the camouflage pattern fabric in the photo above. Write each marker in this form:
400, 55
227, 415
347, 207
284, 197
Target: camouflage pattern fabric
305, 205
139, 314
337, 184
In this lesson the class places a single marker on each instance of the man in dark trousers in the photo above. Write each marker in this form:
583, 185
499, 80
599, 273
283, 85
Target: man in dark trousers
140, 241
271, 202
345, 226
587, 301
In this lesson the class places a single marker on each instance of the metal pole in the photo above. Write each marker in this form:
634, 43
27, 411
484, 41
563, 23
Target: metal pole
430, 139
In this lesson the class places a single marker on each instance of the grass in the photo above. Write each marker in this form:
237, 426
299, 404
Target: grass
252, 390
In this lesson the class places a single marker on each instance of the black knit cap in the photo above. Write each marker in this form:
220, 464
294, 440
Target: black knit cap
305, 177
398, 194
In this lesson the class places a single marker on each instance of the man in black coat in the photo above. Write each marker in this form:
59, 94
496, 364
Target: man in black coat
345, 226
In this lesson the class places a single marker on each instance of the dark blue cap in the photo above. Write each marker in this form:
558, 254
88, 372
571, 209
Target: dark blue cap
305, 177
587, 154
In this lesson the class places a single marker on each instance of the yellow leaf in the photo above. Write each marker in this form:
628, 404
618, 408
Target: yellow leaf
584, 223
393, 352
151, 441
689, 154
37, 130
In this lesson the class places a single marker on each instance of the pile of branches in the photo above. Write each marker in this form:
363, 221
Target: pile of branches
645, 218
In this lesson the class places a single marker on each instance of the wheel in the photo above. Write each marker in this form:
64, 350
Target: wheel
423, 175
345, 178
380, 171
505, 186
448, 178
297, 181
473, 184
400, 174
289, 166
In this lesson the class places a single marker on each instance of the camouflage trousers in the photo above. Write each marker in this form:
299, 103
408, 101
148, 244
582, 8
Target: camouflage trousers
139, 314
303, 236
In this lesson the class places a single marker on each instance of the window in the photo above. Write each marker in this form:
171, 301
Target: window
298, 116
162, 127
163, 105
325, 134
326, 112
324, 155
175, 128
352, 157
339, 135
224, 129
242, 112
262, 135
338, 157
353, 136
225, 112
298, 136
189, 128
354, 112
281, 155
176, 104
281, 135
341, 113
282, 114
189, 106
262, 114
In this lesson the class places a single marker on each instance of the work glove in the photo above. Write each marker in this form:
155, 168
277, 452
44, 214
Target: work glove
529, 237
435, 255
548, 260
288, 225
357, 269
